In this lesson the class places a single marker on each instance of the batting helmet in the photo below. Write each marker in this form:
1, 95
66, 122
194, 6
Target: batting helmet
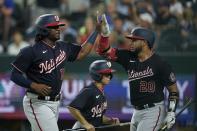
100, 67
46, 21
140, 33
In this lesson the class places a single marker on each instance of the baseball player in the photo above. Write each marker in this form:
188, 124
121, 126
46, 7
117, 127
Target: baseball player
40, 69
148, 74
89, 106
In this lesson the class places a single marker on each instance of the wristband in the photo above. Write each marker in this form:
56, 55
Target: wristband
173, 101
91, 39
105, 50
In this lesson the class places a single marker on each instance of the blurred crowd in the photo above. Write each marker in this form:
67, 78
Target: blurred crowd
174, 21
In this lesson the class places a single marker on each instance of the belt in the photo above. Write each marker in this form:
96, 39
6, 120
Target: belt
46, 98
141, 107
49, 98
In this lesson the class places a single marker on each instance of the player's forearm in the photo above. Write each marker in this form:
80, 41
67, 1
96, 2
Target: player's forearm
173, 97
110, 120
18, 78
173, 88
77, 115
104, 45
87, 45
85, 50
104, 49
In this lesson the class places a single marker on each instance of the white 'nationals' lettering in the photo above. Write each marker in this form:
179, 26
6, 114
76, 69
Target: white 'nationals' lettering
49, 65
98, 109
134, 75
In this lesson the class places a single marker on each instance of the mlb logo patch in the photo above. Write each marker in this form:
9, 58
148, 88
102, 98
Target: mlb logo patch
109, 64
57, 18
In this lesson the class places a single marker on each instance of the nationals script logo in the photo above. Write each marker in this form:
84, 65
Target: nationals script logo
134, 75
49, 66
98, 109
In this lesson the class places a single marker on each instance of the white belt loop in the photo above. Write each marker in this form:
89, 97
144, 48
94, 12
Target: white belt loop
47, 98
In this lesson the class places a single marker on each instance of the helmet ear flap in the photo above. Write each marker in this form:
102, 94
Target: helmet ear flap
45, 32
42, 31
111, 76
95, 76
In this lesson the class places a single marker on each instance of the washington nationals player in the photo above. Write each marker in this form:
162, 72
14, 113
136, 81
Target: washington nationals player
40, 69
90, 104
148, 74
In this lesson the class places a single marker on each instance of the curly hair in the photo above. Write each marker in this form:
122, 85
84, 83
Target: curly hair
39, 37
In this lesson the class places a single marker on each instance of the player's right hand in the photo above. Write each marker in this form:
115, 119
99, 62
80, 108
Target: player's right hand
41, 89
98, 23
89, 127
170, 119
105, 31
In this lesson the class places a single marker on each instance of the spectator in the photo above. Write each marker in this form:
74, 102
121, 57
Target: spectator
68, 33
117, 39
123, 8
78, 10
1, 48
144, 6
176, 8
78, 6
146, 20
45, 7
86, 29
164, 17
111, 10
17, 44
6, 9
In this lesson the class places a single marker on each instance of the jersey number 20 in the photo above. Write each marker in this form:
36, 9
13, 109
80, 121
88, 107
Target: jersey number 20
147, 86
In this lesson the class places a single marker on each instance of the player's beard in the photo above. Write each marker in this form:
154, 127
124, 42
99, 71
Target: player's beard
136, 51
54, 37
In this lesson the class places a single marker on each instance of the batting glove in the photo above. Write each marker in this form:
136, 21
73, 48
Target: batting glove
105, 31
170, 119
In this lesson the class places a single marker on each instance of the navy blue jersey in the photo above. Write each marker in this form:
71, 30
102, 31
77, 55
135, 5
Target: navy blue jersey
44, 64
92, 104
147, 79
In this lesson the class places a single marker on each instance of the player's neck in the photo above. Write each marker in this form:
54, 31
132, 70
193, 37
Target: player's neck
100, 86
49, 42
145, 54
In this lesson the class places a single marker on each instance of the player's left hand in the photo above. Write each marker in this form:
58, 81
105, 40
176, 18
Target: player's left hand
89, 127
170, 119
105, 31
115, 121
98, 23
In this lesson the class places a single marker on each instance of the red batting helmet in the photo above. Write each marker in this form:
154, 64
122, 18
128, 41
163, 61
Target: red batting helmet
100, 67
45, 21
140, 33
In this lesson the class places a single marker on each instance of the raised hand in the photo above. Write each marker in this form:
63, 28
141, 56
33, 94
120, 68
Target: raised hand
98, 22
105, 31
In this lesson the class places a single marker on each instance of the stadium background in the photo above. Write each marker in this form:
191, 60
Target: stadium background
175, 23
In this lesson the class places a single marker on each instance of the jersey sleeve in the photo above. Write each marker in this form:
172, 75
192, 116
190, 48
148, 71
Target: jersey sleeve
81, 100
72, 51
123, 56
167, 74
23, 60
